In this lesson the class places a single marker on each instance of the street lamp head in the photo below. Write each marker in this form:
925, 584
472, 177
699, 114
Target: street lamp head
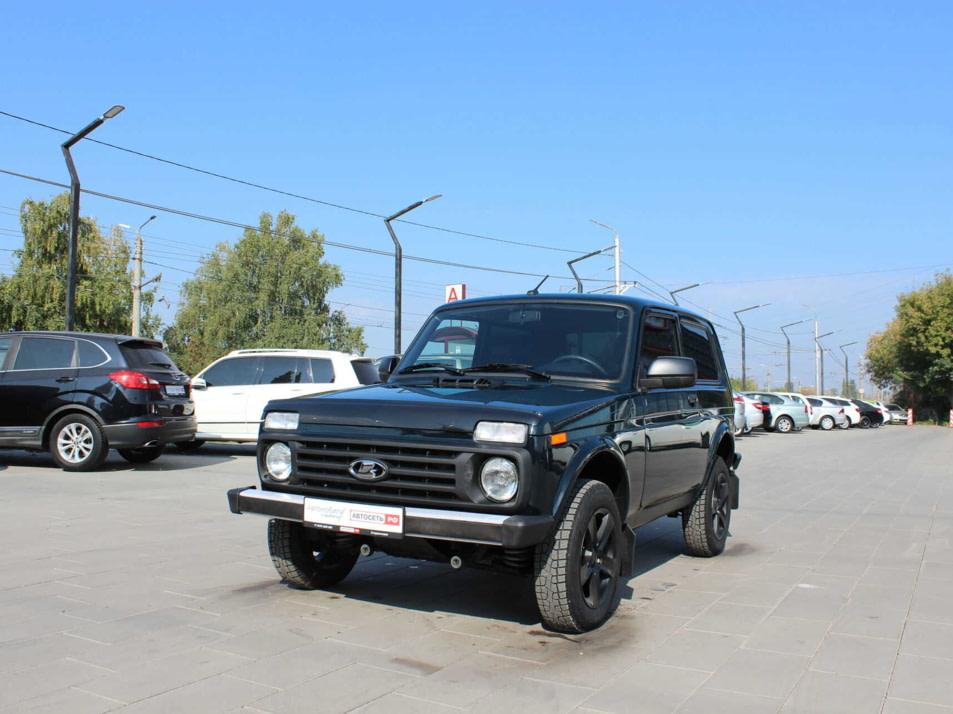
151, 218
113, 112
432, 198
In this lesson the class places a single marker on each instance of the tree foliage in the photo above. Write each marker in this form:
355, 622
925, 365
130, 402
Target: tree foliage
34, 297
269, 290
914, 354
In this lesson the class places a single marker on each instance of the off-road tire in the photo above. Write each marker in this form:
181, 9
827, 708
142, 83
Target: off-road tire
142, 455
784, 424
705, 525
77, 443
827, 422
307, 558
577, 568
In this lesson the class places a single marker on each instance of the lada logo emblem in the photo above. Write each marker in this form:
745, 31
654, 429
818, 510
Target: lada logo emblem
368, 470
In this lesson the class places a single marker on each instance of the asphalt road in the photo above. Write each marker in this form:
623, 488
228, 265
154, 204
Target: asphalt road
135, 589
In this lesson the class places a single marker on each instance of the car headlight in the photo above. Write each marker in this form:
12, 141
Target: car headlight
281, 420
278, 461
499, 479
501, 432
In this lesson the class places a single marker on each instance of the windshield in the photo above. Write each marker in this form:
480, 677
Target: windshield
529, 339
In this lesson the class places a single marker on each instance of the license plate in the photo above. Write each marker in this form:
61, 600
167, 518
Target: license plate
175, 390
354, 517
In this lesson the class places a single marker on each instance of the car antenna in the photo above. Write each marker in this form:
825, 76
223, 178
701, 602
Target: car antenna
535, 291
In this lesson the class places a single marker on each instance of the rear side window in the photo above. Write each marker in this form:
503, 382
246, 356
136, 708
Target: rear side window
44, 353
366, 372
322, 370
231, 372
815, 402
90, 354
283, 370
697, 344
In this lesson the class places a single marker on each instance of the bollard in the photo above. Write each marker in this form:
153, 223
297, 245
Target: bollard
909, 417
951, 417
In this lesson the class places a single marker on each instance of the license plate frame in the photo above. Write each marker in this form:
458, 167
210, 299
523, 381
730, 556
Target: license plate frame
175, 390
359, 518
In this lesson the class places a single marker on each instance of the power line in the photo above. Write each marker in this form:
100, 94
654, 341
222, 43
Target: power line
292, 195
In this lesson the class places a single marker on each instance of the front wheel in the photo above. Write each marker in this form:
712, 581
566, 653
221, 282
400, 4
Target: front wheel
309, 559
784, 424
827, 422
77, 443
142, 455
577, 568
705, 526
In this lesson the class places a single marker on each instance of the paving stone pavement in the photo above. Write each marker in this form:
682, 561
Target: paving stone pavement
134, 589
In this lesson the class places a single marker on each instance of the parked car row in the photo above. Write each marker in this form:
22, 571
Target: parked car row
788, 411
77, 395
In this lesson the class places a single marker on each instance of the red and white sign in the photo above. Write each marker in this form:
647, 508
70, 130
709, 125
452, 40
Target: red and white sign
354, 517
455, 292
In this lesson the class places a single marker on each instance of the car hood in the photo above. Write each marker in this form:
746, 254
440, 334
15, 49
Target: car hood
543, 406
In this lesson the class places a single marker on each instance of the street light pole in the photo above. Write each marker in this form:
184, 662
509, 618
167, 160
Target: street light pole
687, 287
753, 307
398, 266
788, 386
72, 259
818, 359
618, 256
846, 368
820, 351
137, 280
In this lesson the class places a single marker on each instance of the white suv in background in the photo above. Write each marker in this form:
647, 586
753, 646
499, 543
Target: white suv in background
231, 393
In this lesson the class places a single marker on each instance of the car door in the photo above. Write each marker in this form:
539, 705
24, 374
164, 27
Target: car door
279, 377
39, 378
672, 418
221, 407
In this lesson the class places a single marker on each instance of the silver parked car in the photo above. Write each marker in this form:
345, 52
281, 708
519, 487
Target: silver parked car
752, 415
898, 415
783, 414
826, 415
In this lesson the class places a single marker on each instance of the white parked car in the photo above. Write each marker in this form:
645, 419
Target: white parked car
231, 393
751, 415
826, 415
851, 411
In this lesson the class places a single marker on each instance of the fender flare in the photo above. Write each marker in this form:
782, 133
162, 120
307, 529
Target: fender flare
57, 414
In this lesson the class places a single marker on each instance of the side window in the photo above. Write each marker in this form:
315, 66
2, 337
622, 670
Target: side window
44, 353
658, 340
323, 370
91, 354
231, 372
697, 344
5, 344
282, 370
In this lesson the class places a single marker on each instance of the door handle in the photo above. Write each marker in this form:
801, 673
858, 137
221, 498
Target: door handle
692, 400
63, 380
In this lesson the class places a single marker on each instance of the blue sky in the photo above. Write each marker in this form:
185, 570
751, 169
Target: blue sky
791, 153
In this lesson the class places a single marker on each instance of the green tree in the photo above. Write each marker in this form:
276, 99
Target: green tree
269, 290
34, 297
914, 354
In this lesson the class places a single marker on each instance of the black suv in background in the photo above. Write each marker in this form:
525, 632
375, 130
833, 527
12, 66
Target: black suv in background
528, 434
77, 395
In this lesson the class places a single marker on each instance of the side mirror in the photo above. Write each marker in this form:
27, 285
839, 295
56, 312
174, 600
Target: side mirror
670, 373
387, 365
198, 383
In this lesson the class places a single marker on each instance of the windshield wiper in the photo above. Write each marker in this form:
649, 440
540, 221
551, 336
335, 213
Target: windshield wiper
506, 367
431, 365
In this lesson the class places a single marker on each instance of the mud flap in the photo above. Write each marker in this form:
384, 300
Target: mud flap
628, 554
734, 490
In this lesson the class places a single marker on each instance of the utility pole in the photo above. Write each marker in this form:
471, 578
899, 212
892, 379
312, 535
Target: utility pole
137, 280
618, 256
818, 359
787, 385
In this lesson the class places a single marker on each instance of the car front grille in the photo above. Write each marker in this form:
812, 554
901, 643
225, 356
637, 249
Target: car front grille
431, 476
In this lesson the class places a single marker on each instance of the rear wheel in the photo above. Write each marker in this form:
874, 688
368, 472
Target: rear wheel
846, 424
784, 424
705, 526
865, 422
577, 568
309, 559
77, 443
827, 422
142, 455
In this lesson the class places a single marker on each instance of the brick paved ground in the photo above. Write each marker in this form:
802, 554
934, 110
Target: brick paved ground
134, 589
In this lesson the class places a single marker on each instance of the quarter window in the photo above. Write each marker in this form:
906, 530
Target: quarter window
322, 370
696, 343
90, 354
